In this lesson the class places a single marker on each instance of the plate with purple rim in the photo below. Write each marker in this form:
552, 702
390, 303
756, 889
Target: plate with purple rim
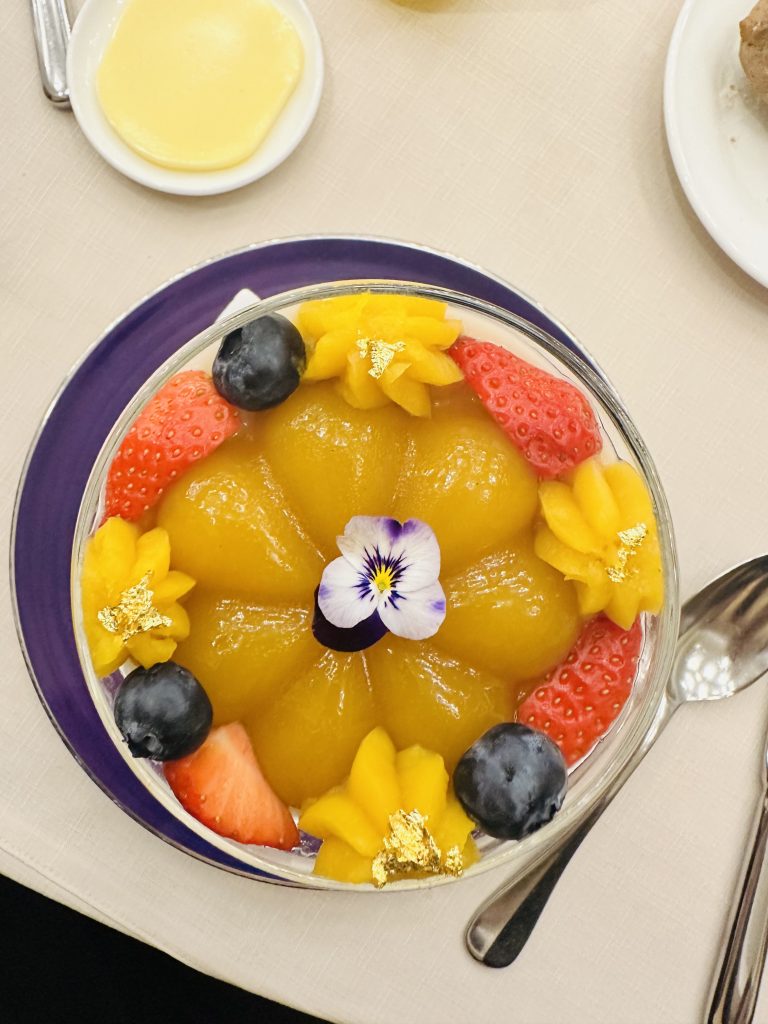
83, 412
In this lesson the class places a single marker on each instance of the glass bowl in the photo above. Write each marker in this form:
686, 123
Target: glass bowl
590, 778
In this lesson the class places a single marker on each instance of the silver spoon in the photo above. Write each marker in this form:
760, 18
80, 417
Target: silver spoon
51, 25
742, 955
723, 648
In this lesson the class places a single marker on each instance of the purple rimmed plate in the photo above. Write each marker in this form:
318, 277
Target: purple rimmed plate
84, 411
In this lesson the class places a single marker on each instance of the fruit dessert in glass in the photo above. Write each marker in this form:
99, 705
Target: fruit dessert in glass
371, 575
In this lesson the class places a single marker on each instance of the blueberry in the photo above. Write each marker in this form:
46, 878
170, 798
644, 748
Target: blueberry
511, 781
163, 712
260, 364
357, 638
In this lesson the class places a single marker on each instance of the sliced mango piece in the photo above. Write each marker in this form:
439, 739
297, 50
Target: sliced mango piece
381, 348
337, 859
337, 814
454, 827
385, 821
600, 531
153, 555
423, 782
373, 781
595, 499
566, 520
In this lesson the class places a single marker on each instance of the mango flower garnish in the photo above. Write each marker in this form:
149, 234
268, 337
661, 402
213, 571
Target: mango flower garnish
382, 348
130, 596
394, 817
388, 573
600, 531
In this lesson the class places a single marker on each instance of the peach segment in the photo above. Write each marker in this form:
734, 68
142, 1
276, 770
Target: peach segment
511, 613
333, 461
464, 478
231, 527
427, 697
242, 652
306, 739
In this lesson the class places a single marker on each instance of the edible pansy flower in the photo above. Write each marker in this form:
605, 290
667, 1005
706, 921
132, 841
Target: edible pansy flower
382, 348
600, 531
387, 570
130, 597
395, 817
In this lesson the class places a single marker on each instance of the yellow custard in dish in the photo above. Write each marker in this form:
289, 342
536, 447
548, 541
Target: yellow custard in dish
197, 86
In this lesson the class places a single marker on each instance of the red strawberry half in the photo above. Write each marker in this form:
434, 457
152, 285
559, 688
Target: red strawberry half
547, 418
182, 423
222, 786
580, 699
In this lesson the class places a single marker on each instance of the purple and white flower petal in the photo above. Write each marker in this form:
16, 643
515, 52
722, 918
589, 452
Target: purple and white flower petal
389, 568
365, 534
415, 616
344, 596
417, 551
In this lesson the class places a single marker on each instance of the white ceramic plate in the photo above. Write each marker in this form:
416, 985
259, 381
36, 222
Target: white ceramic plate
717, 131
92, 31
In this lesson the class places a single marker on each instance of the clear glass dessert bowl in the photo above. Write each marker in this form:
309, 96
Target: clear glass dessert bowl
589, 778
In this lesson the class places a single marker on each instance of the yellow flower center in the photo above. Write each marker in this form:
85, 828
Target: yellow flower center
630, 540
134, 613
384, 579
381, 353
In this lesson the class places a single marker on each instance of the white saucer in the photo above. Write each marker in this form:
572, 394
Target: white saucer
92, 31
718, 132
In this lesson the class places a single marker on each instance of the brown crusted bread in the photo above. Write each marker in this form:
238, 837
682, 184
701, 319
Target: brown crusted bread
754, 48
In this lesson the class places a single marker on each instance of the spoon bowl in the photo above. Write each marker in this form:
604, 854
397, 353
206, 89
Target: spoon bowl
722, 649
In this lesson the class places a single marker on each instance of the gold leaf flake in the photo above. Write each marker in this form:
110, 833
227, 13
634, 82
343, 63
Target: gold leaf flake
134, 613
381, 353
410, 849
453, 863
630, 541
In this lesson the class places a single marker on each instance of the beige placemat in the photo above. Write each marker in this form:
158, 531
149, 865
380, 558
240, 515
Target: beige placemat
525, 135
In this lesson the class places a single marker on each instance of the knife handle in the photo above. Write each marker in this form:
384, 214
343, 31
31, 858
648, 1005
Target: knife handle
735, 992
51, 24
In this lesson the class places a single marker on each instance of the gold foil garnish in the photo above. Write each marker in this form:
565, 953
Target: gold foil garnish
631, 540
453, 864
134, 613
381, 353
410, 849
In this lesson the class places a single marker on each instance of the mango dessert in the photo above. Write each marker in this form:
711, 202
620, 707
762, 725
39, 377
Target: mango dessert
370, 581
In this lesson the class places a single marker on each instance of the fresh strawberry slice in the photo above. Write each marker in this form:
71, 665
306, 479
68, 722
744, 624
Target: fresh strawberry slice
580, 699
546, 417
182, 423
222, 786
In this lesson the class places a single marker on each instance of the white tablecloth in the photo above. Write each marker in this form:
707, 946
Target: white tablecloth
525, 135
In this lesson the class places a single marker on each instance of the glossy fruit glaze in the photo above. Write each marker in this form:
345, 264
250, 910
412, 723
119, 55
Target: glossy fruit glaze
255, 523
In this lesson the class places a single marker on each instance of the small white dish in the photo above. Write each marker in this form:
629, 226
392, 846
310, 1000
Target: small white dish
94, 28
718, 132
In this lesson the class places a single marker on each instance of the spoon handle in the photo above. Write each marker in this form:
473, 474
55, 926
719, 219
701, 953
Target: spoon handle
51, 25
734, 994
500, 928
